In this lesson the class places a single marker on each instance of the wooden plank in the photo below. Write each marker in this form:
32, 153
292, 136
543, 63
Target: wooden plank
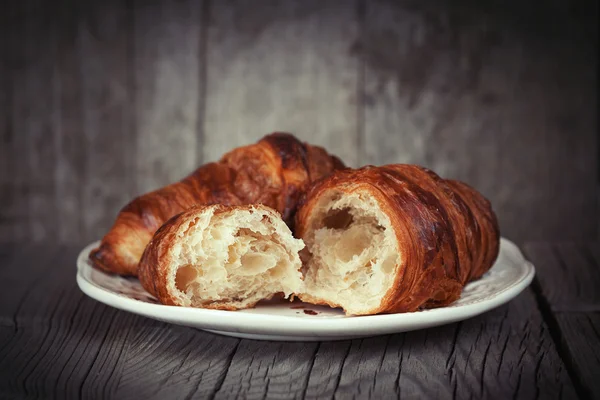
327, 365
274, 370
581, 332
105, 49
168, 86
6, 134
281, 66
175, 362
57, 342
468, 92
55, 361
69, 145
26, 298
18, 208
18, 285
39, 118
58, 334
33, 123
16, 291
505, 353
568, 276
30, 195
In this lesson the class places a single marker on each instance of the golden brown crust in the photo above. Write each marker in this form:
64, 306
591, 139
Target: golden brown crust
446, 231
156, 262
274, 172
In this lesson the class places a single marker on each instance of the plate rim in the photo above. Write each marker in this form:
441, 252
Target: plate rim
232, 321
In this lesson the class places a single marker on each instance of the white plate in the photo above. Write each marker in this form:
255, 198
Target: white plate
304, 322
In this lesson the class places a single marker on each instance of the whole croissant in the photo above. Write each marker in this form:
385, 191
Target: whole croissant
275, 172
390, 239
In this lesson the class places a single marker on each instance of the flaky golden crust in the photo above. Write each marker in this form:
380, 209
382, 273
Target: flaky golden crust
156, 261
274, 172
446, 232
484, 233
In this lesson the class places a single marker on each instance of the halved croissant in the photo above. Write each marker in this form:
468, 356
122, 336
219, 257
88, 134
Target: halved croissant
390, 239
222, 257
274, 172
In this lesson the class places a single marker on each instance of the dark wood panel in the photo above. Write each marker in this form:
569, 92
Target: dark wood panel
568, 276
470, 92
29, 130
282, 66
19, 190
70, 141
105, 50
168, 38
6, 191
104, 100
35, 118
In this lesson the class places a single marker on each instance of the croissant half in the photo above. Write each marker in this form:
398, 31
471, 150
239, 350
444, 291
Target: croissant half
222, 257
274, 172
390, 239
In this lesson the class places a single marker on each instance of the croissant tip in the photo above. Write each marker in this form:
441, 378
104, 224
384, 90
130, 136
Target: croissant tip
96, 257
101, 258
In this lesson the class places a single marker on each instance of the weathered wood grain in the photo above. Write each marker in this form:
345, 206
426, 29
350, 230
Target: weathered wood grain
281, 66
470, 92
58, 334
22, 296
261, 370
568, 276
15, 291
506, 353
581, 333
167, 63
105, 48
167, 361
327, 366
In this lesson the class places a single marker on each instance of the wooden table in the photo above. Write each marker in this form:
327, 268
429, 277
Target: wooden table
56, 342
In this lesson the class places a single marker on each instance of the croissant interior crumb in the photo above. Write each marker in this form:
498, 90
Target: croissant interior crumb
351, 253
239, 258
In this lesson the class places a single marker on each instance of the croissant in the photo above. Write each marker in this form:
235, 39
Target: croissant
396, 238
222, 257
274, 172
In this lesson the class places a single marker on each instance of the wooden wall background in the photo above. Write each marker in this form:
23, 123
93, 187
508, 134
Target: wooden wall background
100, 101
